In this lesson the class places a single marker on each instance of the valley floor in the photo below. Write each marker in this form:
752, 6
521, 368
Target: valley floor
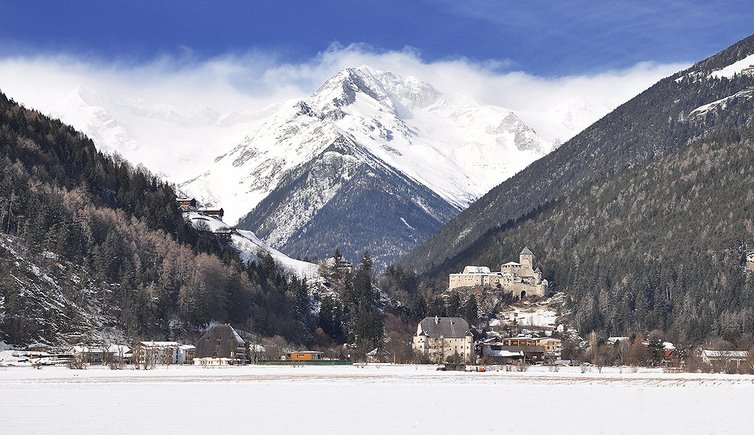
371, 399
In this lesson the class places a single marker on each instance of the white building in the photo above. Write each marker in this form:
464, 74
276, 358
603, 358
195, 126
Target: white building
440, 338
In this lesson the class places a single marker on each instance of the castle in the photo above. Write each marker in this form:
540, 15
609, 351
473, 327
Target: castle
520, 278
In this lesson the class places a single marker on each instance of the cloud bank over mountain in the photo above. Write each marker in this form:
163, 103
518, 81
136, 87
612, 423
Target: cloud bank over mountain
179, 101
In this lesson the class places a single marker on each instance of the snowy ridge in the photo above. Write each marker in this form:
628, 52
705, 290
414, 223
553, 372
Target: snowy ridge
249, 245
722, 103
735, 68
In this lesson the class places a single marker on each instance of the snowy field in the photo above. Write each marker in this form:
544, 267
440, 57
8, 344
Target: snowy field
372, 399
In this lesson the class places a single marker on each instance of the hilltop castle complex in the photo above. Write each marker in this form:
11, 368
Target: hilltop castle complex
520, 278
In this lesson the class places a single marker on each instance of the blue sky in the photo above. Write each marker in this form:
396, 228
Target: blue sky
543, 38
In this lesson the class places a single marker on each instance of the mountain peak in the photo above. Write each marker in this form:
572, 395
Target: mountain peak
391, 91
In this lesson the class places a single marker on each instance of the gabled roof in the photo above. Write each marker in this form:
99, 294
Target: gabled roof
733, 354
220, 341
526, 251
447, 327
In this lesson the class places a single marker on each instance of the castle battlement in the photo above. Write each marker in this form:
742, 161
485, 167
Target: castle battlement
519, 278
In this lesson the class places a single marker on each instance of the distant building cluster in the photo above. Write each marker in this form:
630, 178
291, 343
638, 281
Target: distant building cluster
189, 204
449, 339
521, 278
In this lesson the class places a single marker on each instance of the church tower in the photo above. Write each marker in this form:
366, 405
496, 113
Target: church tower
526, 258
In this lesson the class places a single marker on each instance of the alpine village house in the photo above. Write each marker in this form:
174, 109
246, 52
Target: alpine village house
439, 338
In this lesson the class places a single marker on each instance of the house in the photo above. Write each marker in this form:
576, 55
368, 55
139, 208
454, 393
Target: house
519, 278
119, 353
750, 261
531, 349
213, 212
378, 355
618, 339
151, 353
185, 354
724, 360
495, 352
86, 354
224, 233
222, 341
186, 204
438, 339
212, 362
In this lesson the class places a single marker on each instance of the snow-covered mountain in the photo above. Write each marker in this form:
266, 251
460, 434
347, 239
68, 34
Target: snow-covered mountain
360, 125
457, 151
446, 154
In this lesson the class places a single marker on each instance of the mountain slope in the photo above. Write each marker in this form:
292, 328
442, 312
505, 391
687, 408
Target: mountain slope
346, 198
91, 248
659, 246
653, 235
657, 122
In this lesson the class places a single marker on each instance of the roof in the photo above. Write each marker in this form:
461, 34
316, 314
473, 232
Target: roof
119, 348
526, 251
447, 327
738, 354
503, 353
512, 263
158, 343
377, 351
476, 269
220, 341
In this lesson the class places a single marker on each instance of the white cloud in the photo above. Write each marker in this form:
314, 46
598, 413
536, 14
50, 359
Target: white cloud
184, 90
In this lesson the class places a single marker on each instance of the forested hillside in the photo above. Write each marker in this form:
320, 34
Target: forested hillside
654, 124
644, 220
662, 246
93, 247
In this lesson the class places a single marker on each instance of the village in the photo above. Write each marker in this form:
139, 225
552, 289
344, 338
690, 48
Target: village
522, 334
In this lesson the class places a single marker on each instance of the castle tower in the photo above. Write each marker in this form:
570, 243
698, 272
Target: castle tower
526, 258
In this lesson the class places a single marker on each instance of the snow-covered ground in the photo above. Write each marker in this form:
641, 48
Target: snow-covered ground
372, 399
249, 245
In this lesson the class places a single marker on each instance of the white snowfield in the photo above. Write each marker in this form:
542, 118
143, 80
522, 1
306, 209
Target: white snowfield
249, 245
734, 68
403, 399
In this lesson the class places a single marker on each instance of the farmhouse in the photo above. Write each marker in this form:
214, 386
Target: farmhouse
219, 342
213, 212
186, 204
101, 355
151, 353
441, 338
521, 278
721, 360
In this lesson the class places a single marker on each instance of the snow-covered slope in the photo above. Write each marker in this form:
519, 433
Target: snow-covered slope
167, 139
457, 151
249, 245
